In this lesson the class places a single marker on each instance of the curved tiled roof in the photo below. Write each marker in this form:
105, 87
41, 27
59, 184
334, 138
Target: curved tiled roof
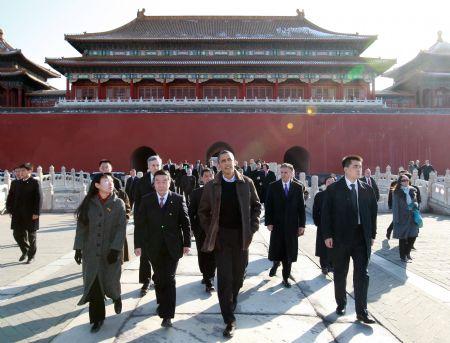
218, 28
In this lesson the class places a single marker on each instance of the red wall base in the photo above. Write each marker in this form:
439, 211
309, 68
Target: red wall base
81, 140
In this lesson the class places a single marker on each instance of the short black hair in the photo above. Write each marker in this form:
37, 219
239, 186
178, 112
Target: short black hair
27, 166
207, 170
162, 172
104, 161
347, 160
223, 152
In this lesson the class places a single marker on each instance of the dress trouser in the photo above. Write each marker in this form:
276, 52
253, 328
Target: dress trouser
206, 261
389, 229
231, 263
165, 268
341, 259
145, 268
27, 241
96, 303
286, 269
405, 246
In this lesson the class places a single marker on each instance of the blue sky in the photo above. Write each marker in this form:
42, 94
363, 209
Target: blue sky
403, 27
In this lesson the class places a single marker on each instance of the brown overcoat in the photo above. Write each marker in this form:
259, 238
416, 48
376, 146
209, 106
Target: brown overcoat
209, 209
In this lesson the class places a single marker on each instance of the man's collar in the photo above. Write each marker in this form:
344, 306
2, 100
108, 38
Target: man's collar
350, 183
233, 179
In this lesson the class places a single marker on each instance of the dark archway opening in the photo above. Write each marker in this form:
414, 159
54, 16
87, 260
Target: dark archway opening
139, 158
216, 148
299, 158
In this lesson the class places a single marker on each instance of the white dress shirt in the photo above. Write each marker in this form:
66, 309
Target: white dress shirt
164, 197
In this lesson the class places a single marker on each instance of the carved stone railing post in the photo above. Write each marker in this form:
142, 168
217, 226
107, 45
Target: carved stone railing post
377, 173
447, 187
303, 179
63, 175
314, 186
7, 179
51, 171
388, 173
40, 174
72, 174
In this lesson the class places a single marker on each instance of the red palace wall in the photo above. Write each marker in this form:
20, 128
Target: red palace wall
80, 140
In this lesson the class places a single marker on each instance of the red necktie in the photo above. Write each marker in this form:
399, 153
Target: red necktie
369, 182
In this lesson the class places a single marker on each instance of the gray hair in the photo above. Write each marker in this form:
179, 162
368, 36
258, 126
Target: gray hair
154, 158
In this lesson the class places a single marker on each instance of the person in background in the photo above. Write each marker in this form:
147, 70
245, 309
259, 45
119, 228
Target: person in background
321, 249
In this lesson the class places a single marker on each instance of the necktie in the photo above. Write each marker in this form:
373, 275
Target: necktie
354, 198
369, 182
161, 202
286, 190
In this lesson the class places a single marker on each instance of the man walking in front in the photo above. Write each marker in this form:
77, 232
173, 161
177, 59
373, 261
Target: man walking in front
24, 206
163, 230
285, 219
229, 213
349, 227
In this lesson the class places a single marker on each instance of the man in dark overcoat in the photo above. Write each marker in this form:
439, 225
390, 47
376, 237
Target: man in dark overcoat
285, 219
163, 230
349, 227
206, 260
24, 205
267, 177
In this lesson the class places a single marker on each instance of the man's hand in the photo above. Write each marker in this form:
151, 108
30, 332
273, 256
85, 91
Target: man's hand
329, 243
34, 216
270, 227
301, 231
373, 241
186, 250
138, 252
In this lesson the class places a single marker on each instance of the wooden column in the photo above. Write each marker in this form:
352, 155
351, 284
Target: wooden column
72, 92
340, 94
165, 90
373, 89
198, 90
28, 101
132, 96
19, 97
244, 89
67, 88
275, 89
99, 90
308, 91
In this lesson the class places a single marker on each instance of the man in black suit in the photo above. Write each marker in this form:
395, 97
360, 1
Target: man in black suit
285, 219
349, 227
24, 205
187, 184
367, 178
267, 177
164, 231
143, 187
206, 260
130, 186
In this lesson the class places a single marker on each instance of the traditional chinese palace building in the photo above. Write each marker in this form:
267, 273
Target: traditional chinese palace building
424, 81
271, 87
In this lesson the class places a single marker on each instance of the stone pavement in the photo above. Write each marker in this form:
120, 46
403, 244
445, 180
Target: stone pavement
44, 307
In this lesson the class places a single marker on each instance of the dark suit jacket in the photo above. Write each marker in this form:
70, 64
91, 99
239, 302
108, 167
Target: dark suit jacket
130, 186
194, 203
286, 215
339, 219
169, 225
374, 186
24, 200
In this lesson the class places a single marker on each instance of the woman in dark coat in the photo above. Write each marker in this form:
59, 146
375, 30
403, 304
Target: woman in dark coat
99, 239
321, 249
404, 201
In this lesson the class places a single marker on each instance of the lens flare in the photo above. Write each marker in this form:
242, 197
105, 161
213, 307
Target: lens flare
290, 126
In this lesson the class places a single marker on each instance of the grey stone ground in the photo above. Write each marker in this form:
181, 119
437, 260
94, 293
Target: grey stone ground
38, 301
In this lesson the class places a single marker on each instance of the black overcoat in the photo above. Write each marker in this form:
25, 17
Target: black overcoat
321, 249
24, 200
286, 215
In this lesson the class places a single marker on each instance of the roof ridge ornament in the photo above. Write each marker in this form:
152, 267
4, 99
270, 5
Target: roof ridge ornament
440, 40
300, 13
141, 13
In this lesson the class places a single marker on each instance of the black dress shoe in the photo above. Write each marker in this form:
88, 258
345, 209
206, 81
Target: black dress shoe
286, 284
166, 323
409, 257
229, 330
203, 282
118, 306
325, 271
23, 257
273, 270
388, 237
30, 260
412, 248
96, 327
365, 319
340, 310
209, 289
